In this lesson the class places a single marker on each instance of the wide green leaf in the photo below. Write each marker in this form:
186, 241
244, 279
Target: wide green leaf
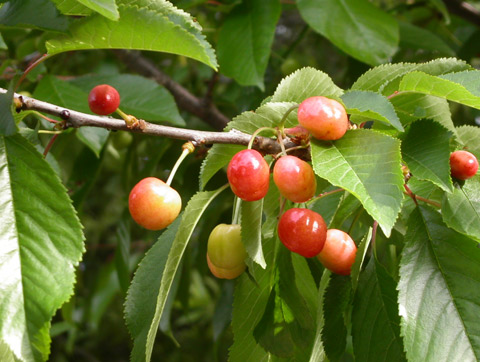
72, 7
144, 25
359, 35
8, 126
375, 319
304, 83
41, 243
426, 152
372, 174
193, 211
461, 209
367, 105
245, 39
142, 295
415, 37
469, 136
439, 291
107, 8
252, 214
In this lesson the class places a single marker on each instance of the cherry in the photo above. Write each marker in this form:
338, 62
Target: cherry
302, 231
225, 251
153, 204
338, 254
249, 175
463, 165
103, 99
325, 118
294, 178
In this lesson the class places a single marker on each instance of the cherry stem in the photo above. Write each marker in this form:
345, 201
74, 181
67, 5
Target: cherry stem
49, 145
410, 193
236, 211
256, 133
284, 118
45, 117
374, 235
427, 201
324, 194
49, 132
280, 140
187, 148
30, 67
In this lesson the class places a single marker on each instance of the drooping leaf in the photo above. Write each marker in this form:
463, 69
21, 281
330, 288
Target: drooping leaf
318, 350
461, 209
372, 174
371, 105
362, 249
426, 152
359, 35
347, 206
72, 7
193, 211
40, 14
107, 8
41, 243
415, 37
304, 83
252, 213
245, 39
375, 319
469, 136
143, 25
439, 291
8, 126
218, 156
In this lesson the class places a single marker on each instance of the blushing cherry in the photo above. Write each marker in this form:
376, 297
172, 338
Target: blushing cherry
103, 99
463, 165
153, 204
249, 175
338, 253
302, 231
325, 118
294, 178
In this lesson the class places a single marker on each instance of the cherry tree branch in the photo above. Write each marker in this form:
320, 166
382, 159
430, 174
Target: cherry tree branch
200, 107
78, 119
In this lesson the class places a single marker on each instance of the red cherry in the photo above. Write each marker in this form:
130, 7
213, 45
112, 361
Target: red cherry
338, 254
294, 178
325, 118
249, 175
153, 204
463, 165
302, 231
103, 99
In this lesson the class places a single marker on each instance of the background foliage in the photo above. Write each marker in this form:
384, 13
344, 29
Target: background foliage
69, 249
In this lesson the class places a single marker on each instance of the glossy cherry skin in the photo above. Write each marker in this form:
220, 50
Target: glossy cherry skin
463, 165
249, 175
302, 231
153, 204
325, 118
294, 178
338, 254
103, 99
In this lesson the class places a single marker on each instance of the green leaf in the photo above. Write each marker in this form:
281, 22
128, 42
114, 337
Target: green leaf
359, 35
304, 83
41, 243
412, 36
107, 8
447, 86
377, 78
426, 152
8, 126
3, 45
143, 25
40, 14
193, 211
72, 7
461, 209
372, 174
469, 136
218, 157
245, 39
439, 291
144, 98
360, 258
318, 350
140, 304
250, 300
439, 4
371, 105
375, 319
335, 304
252, 213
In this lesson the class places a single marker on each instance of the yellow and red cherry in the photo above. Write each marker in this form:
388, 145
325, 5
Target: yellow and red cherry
325, 118
302, 231
463, 165
225, 251
153, 204
103, 99
249, 175
294, 178
338, 253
